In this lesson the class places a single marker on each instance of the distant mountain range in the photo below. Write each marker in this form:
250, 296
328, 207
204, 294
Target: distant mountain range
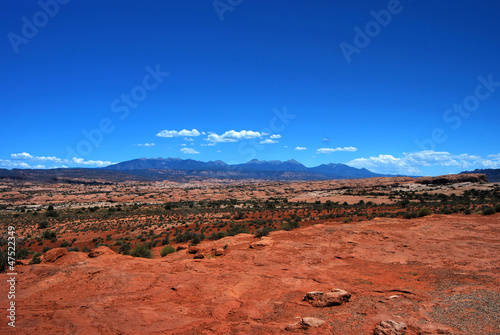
492, 174
183, 170
274, 170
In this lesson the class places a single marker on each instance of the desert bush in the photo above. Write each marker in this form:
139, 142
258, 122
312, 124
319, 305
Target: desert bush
36, 258
43, 224
217, 235
424, 212
290, 225
235, 229
73, 249
141, 250
263, 232
165, 241
409, 215
168, 249
489, 210
22, 253
49, 235
65, 244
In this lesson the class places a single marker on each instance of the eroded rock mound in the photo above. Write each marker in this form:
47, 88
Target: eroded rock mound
53, 254
453, 178
390, 327
334, 298
102, 250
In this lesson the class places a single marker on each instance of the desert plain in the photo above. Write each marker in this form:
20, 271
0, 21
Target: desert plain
369, 256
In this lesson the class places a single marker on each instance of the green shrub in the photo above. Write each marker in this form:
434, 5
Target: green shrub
43, 224
65, 244
22, 254
409, 215
290, 225
488, 210
141, 250
124, 248
424, 212
168, 249
236, 229
263, 231
49, 235
217, 235
36, 258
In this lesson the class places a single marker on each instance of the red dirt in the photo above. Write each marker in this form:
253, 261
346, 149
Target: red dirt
437, 273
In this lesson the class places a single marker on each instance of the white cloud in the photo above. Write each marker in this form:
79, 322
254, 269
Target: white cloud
189, 151
27, 157
7, 164
276, 136
81, 161
268, 141
411, 163
441, 158
188, 139
326, 139
21, 159
496, 156
146, 145
384, 164
330, 150
300, 148
233, 136
175, 133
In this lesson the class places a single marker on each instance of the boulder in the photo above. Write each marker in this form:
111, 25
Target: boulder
390, 327
218, 251
193, 250
199, 255
306, 323
102, 250
51, 255
334, 298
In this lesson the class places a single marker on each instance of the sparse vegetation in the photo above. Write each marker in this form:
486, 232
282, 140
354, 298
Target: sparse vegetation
141, 250
167, 250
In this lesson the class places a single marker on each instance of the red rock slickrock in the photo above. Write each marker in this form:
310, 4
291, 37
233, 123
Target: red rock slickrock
453, 178
435, 274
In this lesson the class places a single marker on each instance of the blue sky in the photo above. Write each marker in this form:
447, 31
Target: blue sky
409, 87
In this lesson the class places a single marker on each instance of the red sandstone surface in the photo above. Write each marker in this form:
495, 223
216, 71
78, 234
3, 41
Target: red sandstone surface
438, 275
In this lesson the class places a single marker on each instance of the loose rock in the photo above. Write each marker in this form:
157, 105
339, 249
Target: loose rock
305, 323
334, 298
390, 327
